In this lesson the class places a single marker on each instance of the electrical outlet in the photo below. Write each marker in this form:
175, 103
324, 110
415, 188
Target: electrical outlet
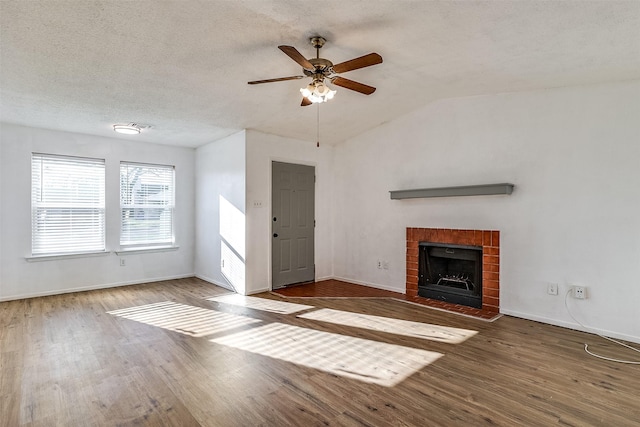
552, 289
122, 262
379, 264
257, 203
580, 292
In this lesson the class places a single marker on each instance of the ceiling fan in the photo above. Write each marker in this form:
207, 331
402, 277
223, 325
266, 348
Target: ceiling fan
321, 70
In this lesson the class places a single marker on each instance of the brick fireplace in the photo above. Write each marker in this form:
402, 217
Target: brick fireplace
488, 240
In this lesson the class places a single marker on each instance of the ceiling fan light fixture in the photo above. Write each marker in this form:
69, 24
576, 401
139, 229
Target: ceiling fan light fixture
307, 91
318, 92
329, 95
321, 69
130, 129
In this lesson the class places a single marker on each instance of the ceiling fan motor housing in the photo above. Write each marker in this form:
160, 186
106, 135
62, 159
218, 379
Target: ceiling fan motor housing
323, 68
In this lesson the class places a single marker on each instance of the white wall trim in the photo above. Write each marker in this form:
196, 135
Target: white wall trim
215, 282
147, 249
371, 285
258, 291
55, 257
93, 287
571, 325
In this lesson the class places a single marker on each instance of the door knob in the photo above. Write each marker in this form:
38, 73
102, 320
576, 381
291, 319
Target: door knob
275, 234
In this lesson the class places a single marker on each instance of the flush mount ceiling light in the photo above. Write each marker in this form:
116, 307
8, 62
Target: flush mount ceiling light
130, 129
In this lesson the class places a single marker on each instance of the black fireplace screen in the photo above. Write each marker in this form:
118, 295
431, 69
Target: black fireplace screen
451, 273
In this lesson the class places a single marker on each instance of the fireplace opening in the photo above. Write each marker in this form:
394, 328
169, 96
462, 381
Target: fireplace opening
451, 273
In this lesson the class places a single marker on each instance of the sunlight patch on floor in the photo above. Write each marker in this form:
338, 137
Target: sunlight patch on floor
186, 319
365, 360
394, 326
263, 304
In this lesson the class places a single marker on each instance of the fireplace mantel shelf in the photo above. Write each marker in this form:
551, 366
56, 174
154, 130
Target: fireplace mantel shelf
467, 190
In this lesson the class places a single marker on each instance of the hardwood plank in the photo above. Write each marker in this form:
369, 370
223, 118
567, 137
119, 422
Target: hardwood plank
65, 361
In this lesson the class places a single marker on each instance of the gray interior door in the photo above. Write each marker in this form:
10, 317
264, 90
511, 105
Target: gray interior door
293, 224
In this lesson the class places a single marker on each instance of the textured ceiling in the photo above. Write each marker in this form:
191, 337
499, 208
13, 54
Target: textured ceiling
182, 66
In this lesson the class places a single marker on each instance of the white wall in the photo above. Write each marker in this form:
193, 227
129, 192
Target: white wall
220, 185
19, 278
3, 183
574, 217
262, 149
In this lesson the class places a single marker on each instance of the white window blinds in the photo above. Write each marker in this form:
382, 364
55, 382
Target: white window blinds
147, 204
67, 204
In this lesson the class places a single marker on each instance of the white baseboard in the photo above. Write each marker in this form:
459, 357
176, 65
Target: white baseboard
93, 287
215, 282
228, 286
371, 285
571, 325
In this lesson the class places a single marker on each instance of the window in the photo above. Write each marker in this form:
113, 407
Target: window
147, 205
67, 205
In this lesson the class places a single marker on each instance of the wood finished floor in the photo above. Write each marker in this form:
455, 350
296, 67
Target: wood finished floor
66, 362
338, 289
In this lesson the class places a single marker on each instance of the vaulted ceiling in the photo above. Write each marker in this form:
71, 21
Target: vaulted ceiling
183, 66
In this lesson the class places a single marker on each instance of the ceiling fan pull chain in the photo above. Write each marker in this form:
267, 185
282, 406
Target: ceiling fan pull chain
318, 126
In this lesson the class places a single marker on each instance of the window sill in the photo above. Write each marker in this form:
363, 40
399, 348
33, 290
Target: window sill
51, 257
148, 249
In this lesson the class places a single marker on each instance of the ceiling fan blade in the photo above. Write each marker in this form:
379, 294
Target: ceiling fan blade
350, 84
279, 79
305, 102
293, 53
361, 62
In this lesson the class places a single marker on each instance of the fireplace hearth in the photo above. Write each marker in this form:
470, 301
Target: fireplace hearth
486, 280
450, 273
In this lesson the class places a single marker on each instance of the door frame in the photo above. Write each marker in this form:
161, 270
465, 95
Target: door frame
271, 226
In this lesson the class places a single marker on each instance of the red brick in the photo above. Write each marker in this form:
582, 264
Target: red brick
489, 312
491, 259
489, 250
486, 238
494, 301
477, 237
495, 293
490, 275
490, 284
490, 267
